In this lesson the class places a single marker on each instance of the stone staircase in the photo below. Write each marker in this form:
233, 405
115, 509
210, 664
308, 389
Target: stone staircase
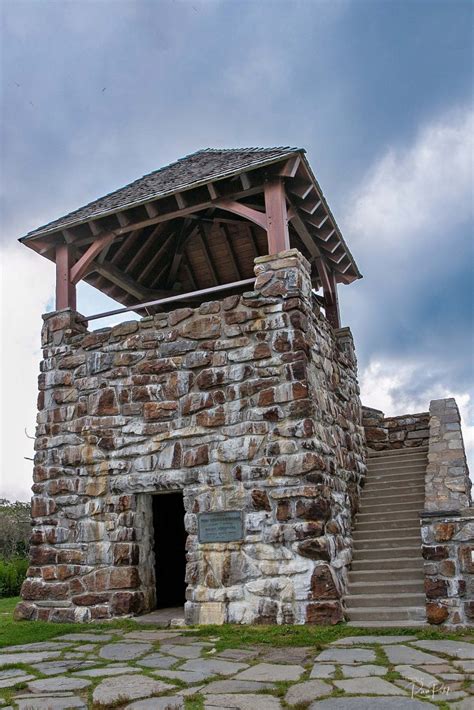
386, 580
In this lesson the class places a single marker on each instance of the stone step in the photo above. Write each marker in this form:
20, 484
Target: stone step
399, 564
380, 487
376, 616
395, 516
384, 533
379, 507
398, 452
395, 496
380, 553
391, 575
409, 467
387, 600
398, 478
370, 526
402, 586
369, 543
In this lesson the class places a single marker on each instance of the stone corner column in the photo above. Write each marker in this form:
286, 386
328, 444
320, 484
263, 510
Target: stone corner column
60, 326
448, 486
285, 274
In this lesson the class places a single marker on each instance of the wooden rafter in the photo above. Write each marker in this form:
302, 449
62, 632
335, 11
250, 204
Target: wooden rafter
230, 250
137, 257
148, 268
186, 233
207, 254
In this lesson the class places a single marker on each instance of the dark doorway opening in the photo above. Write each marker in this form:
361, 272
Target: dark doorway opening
170, 546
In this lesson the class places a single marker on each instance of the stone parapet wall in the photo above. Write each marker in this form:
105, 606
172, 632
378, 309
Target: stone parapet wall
448, 486
406, 431
247, 403
448, 550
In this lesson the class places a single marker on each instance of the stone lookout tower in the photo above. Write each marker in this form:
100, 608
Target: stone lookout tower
211, 452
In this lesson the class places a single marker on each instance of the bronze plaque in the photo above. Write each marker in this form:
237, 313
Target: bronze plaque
222, 526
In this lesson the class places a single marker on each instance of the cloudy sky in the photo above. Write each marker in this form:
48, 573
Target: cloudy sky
95, 93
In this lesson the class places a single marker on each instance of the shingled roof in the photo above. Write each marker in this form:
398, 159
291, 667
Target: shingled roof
200, 167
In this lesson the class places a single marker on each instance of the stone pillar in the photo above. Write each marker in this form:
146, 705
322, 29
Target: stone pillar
448, 486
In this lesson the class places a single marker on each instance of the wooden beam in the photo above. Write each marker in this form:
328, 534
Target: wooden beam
207, 255
126, 245
243, 211
291, 167
329, 284
65, 288
230, 249
300, 188
180, 201
211, 188
141, 250
245, 181
277, 219
82, 265
126, 283
122, 219
155, 258
185, 234
151, 210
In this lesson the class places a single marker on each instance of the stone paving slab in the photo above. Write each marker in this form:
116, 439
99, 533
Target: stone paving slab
33, 657
466, 666
410, 656
347, 655
236, 686
213, 666
97, 637
288, 655
124, 650
371, 703
271, 672
374, 686
37, 646
458, 649
59, 684
150, 635
184, 676
157, 660
48, 703
127, 687
21, 678
416, 676
362, 671
242, 702
238, 654
322, 670
380, 640
182, 651
107, 671
57, 667
307, 691
169, 703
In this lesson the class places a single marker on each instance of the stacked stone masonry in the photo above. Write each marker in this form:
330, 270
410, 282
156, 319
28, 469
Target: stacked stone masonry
448, 550
406, 431
251, 403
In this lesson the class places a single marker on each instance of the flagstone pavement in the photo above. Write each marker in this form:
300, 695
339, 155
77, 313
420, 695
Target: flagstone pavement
174, 670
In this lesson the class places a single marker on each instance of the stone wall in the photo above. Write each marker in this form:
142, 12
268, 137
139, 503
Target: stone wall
250, 403
448, 550
448, 486
406, 431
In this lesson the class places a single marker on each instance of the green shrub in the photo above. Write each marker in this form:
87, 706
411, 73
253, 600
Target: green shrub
12, 574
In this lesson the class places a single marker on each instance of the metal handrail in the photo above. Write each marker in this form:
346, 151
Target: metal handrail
170, 299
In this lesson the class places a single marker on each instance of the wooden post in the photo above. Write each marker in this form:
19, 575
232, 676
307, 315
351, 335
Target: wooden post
277, 218
65, 289
332, 302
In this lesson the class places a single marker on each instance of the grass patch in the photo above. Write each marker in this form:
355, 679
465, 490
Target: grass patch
194, 702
